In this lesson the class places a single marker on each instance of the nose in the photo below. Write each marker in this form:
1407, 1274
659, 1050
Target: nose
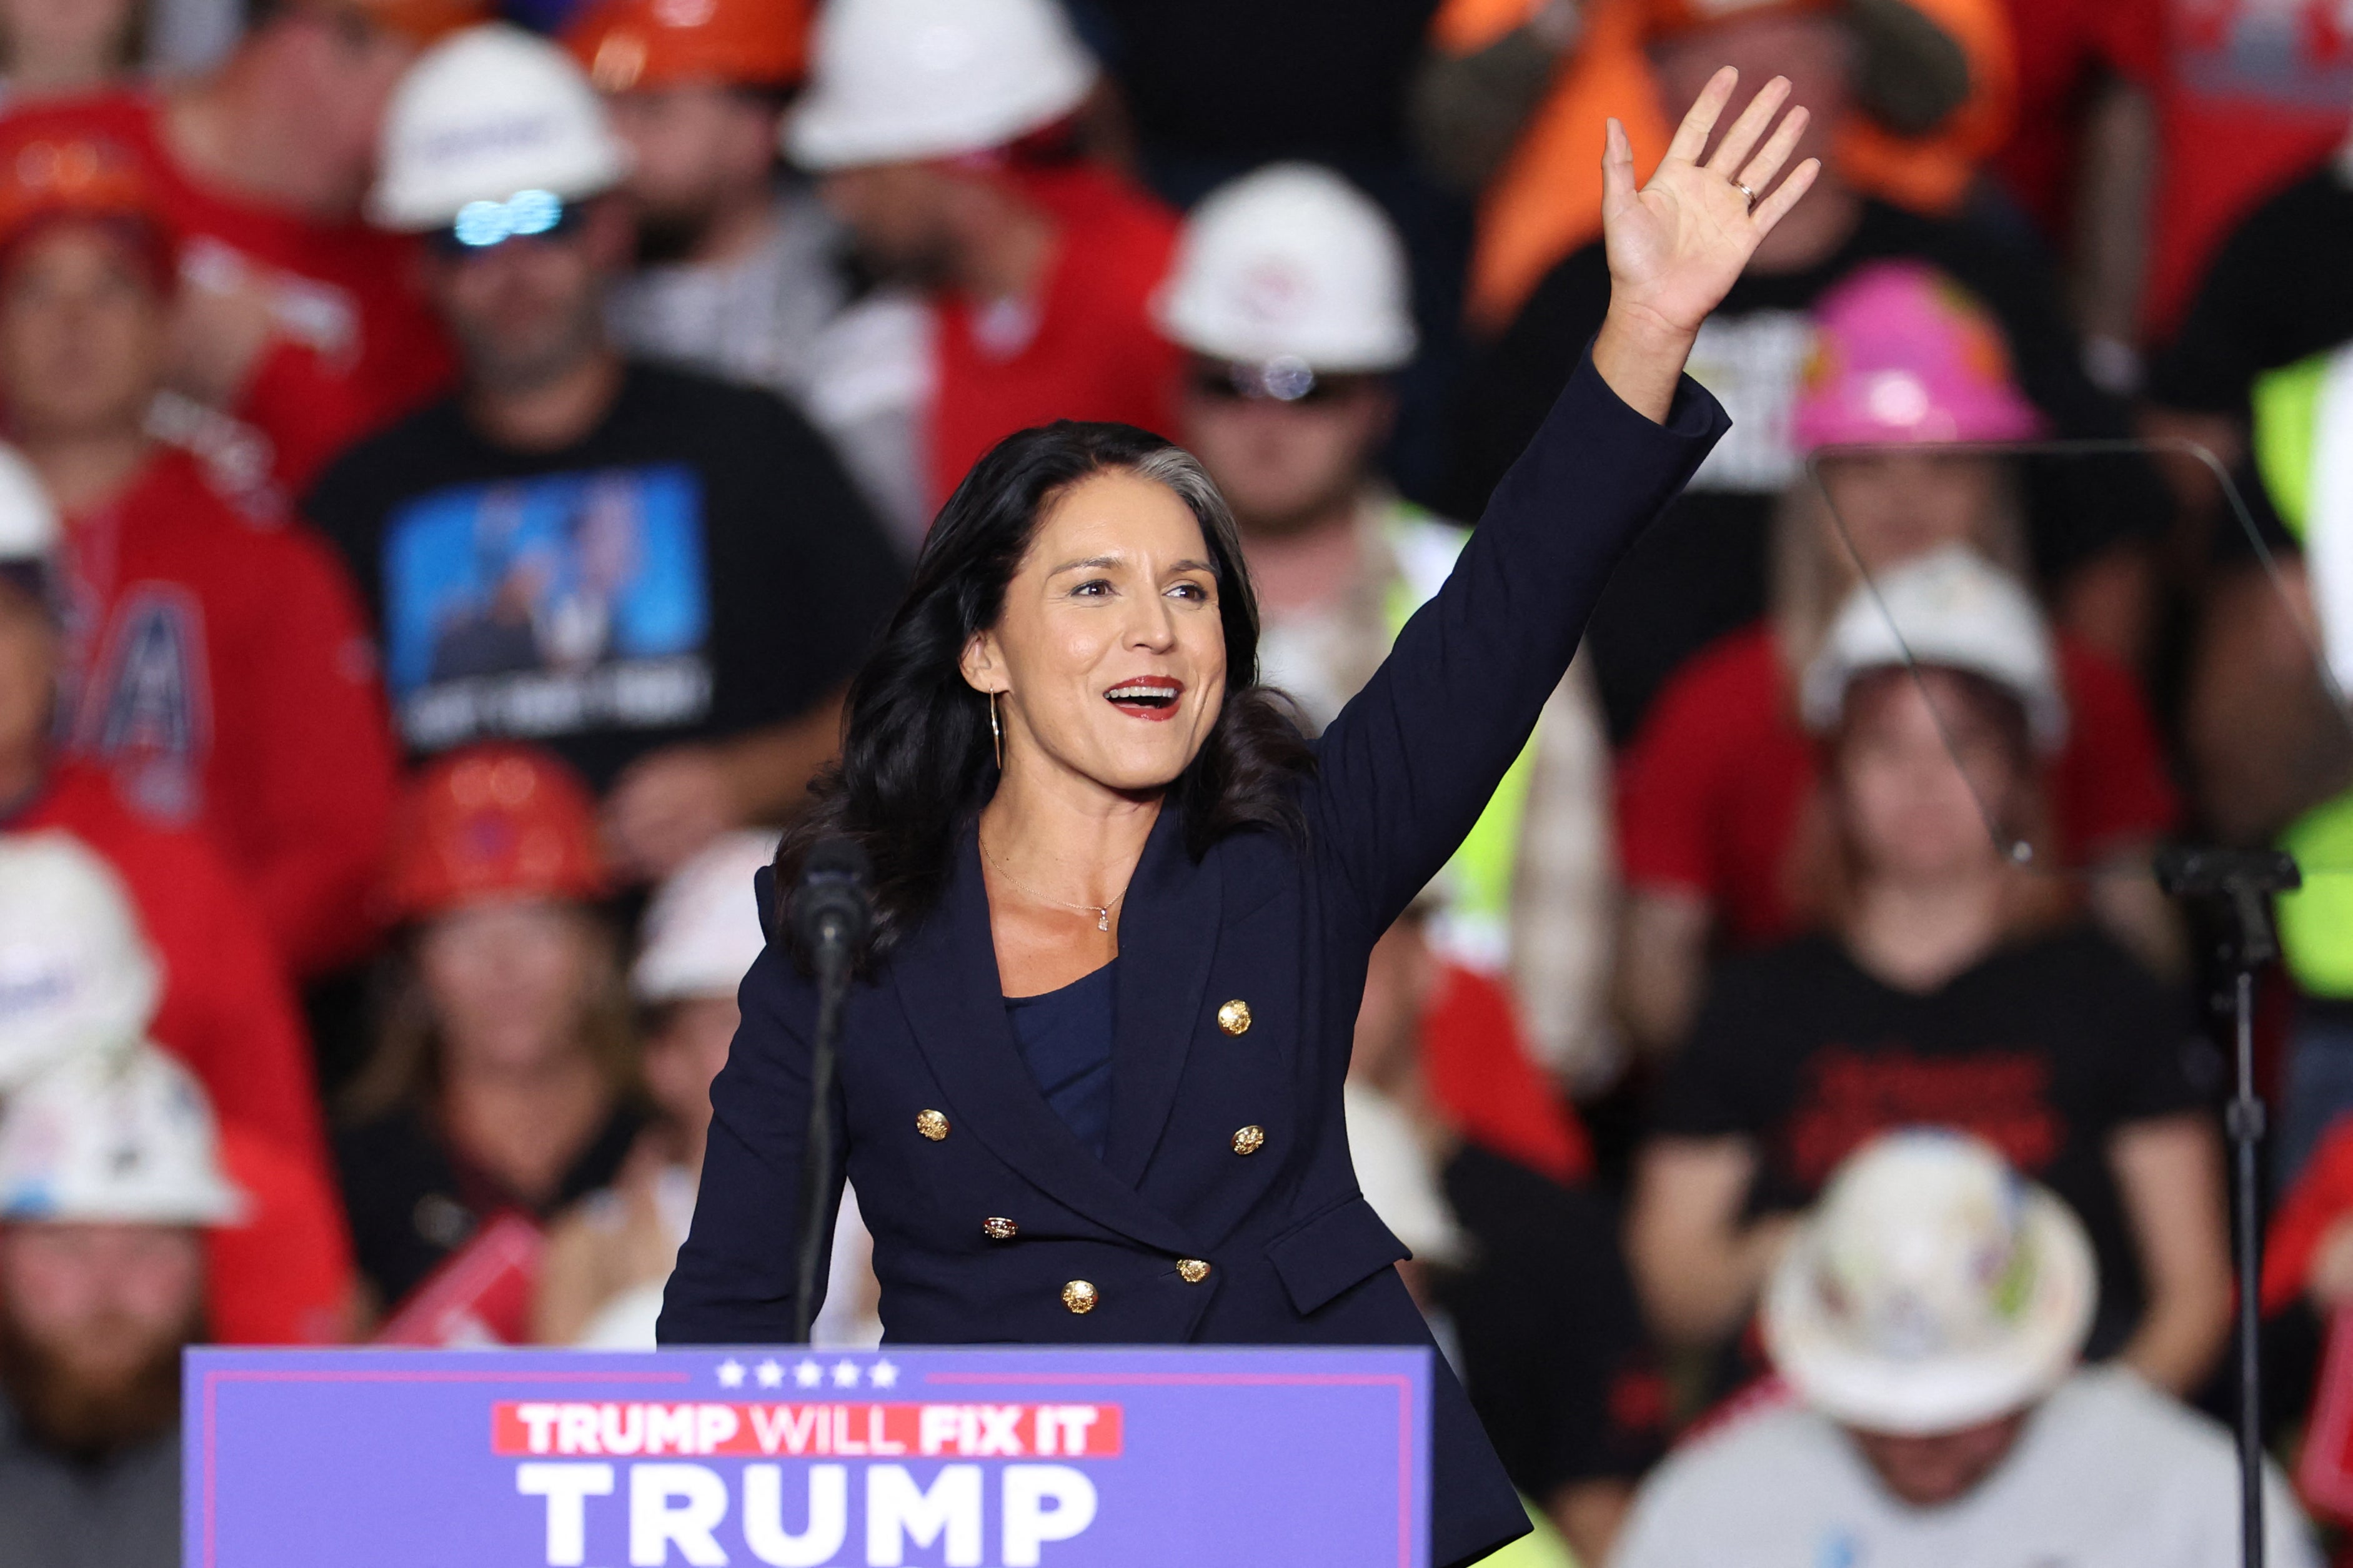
1152, 625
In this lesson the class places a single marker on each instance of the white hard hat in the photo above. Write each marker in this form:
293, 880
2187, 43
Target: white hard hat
893, 82
1399, 1179
29, 519
1292, 262
1934, 1287
703, 931
114, 1137
488, 115
1949, 608
76, 974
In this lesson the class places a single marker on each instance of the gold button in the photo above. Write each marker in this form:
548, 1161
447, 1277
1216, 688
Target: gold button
1080, 1297
1234, 1017
999, 1229
1192, 1271
932, 1125
1249, 1140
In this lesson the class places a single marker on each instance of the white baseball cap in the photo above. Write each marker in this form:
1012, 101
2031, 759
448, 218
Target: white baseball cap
119, 1136
703, 929
76, 972
1952, 609
492, 118
895, 82
1932, 1289
1290, 263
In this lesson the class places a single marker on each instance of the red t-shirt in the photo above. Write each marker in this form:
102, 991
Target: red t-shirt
1714, 790
1095, 353
356, 345
284, 1276
219, 674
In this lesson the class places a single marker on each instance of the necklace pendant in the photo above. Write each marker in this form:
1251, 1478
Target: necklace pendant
1102, 919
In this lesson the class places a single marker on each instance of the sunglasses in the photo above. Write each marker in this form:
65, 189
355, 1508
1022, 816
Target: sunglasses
1287, 380
538, 215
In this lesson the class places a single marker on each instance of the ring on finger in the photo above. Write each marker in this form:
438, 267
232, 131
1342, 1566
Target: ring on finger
1742, 188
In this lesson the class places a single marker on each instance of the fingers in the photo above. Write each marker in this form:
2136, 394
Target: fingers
1759, 175
1617, 167
1734, 149
1773, 207
1691, 136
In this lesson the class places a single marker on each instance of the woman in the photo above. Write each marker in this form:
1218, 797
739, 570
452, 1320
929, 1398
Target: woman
1949, 985
1716, 790
1082, 811
503, 1079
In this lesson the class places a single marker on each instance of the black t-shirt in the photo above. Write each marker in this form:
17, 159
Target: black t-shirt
2275, 293
1243, 78
698, 566
1701, 571
413, 1203
1555, 1358
2046, 1048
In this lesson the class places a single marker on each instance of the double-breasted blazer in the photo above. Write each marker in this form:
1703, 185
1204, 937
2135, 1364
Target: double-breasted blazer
1225, 1209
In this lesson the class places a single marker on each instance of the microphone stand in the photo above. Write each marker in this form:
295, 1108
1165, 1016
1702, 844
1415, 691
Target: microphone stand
2238, 887
831, 915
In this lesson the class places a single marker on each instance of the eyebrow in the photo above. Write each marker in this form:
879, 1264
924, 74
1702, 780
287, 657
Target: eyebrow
1099, 561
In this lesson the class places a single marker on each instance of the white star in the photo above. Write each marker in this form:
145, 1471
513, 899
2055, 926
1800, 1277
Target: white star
845, 1375
883, 1375
808, 1374
731, 1374
771, 1374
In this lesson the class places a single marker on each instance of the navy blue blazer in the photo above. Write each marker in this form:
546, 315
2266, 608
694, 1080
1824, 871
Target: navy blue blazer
1227, 1149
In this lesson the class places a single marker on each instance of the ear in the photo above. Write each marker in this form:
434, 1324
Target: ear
983, 664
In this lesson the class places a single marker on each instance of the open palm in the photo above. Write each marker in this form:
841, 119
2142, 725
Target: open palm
1676, 245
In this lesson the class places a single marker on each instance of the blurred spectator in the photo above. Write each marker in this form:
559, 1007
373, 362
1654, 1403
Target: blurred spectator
1926, 1320
1290, 296
225, 1007
53, 47
216, 671
109, 1178
504, 1077
663, 578
85, 978
294, 328
741, 269
940, 132
1716, 787
1515, 97
608, 1260
1520, 1275
2265, 726
1701, 571
1949, 987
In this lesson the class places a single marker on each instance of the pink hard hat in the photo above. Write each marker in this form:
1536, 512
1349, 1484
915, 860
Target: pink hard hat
1904, 353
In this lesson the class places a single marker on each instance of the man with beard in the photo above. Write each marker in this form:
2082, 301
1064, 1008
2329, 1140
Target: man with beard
108, 1176
1290, 294
664, 578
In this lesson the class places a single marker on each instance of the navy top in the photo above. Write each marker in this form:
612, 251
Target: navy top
1065, 1038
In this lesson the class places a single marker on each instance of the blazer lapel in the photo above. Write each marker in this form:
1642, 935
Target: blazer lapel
946, 979
1167, 935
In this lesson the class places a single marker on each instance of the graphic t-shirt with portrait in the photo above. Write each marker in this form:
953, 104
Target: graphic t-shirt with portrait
696, 567
2046, 1048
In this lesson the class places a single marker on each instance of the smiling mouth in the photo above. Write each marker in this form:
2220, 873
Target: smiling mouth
1154, 698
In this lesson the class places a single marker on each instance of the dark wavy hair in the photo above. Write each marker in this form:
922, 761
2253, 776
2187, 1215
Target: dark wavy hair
916, 759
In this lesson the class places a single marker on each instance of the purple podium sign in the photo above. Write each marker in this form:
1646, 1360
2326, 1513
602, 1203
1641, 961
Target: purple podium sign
959, 1458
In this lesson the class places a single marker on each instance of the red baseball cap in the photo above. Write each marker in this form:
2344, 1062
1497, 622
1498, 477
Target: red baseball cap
491, 821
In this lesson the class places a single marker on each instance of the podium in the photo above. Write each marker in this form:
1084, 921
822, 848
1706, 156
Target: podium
1021, 1458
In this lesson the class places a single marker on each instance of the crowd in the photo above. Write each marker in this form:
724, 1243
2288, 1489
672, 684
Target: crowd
454, 459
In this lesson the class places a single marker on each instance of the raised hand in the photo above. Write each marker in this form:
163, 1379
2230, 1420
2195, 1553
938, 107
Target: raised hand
1676, 244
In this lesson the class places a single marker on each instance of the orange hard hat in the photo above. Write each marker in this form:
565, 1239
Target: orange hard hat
493, 820
47, 176
627, 44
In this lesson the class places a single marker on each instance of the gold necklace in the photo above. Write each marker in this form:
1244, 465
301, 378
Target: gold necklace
1101, 911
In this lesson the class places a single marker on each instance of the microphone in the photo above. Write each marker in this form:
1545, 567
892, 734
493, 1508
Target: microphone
832, 911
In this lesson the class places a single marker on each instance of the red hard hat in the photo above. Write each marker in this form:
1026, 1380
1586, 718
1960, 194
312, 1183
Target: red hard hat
629, 43
493, 820
46, 175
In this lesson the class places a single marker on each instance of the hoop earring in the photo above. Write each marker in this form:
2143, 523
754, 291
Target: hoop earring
996, 733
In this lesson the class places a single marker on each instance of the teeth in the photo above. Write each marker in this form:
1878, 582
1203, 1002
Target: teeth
1140, 689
